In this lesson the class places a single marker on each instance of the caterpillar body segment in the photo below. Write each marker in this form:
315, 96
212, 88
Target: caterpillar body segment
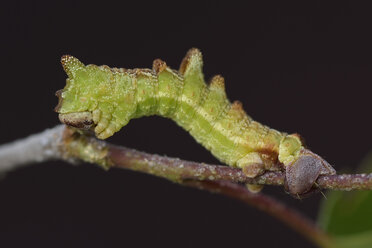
106, 99
194, 90
170, 85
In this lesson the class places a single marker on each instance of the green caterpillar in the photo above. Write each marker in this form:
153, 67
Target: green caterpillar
106, 99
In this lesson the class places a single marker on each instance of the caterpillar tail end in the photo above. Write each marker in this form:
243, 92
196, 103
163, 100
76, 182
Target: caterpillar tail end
302, 173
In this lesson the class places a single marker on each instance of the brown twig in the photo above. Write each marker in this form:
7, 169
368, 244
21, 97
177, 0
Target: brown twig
177, 170
346, 182
67, 144
269, 205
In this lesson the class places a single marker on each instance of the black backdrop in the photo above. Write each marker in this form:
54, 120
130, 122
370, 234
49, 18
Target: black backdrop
302, 68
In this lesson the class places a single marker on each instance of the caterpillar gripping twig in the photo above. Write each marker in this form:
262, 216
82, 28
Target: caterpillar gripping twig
105, 99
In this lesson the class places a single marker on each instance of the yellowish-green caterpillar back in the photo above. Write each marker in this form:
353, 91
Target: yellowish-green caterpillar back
106, 99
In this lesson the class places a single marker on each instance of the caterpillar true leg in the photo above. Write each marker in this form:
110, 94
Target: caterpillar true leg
102, 124
96, 115
111, 128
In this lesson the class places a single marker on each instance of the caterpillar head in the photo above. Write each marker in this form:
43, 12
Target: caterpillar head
77, 100
303, 167
303, 172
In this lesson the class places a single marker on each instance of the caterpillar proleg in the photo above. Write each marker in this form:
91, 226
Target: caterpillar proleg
105, 99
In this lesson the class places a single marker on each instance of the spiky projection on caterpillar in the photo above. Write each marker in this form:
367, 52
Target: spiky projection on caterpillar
106, 99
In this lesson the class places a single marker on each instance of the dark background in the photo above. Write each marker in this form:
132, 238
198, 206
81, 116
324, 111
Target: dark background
302, 68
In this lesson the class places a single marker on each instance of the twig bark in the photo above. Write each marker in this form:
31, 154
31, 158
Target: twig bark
67, 144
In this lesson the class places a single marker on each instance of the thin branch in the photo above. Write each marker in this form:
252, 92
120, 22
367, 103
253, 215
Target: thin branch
67, 144
177, 169
269, 205
346, 182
